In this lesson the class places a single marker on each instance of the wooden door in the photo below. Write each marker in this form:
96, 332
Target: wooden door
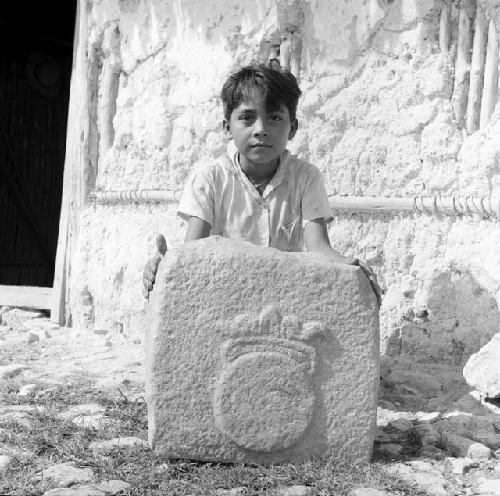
34, 92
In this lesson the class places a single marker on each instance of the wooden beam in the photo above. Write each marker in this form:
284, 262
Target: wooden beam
490, 87
26, 296
462, 68
444, 29
75, 167
476, 71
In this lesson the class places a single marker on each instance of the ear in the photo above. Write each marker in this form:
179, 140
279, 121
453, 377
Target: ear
226, 128
293, 128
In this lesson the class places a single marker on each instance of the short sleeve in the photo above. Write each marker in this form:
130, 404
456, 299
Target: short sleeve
315, 203
197, 199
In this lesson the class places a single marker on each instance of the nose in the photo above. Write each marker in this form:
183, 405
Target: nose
260, 127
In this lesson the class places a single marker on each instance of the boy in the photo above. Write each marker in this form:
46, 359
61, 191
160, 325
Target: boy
259, 192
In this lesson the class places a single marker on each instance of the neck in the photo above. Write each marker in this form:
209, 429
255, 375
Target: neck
258, 172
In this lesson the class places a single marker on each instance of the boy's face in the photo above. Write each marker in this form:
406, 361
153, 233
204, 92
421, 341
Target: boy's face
260, 134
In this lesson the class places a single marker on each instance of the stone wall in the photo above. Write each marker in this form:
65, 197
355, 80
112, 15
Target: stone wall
378, 116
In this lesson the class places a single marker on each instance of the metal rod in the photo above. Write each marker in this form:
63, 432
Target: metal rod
484, 206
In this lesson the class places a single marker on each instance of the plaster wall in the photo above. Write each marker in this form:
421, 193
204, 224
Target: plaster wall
376, 116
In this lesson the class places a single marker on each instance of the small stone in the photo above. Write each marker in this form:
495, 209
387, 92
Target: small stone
460, 446
461, 465
489, 487
479, 451
5, 461
82, 410
435, 485
23, 419
470, 403
235, 491
17, 316
423, 474
424, 383
118, 442
482, 371
428, 434
112, 487
432, 452
426, 417
456, 413
11, 370
294, 491
26, 390
385, 416
387, 437
35, 335
368, 491
64, 475
390, 449
89, 490
402, 425
40, 323
32, 337
91, 421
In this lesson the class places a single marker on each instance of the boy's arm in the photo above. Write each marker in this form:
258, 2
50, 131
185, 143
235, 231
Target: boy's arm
197, 229
316, 239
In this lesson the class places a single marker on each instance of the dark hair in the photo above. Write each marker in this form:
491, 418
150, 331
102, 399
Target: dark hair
277, 86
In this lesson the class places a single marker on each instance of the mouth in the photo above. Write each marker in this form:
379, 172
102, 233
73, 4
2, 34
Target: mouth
260, 145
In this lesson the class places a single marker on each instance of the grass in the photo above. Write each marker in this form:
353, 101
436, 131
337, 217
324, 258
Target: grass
50, 440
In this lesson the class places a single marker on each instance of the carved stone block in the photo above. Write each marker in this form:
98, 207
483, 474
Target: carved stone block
256, 355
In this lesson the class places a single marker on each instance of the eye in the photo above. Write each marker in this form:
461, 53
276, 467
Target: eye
245, 117
276, 117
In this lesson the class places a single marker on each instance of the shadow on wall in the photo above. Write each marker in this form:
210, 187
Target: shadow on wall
451, 318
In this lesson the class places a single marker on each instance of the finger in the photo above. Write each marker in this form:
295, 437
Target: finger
145, 293
161, 244
377, 291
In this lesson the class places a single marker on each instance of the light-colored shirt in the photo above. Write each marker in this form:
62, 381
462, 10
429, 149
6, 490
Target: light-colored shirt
222, 195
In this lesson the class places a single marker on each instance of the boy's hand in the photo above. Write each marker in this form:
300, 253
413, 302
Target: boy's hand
368, 271
149, 274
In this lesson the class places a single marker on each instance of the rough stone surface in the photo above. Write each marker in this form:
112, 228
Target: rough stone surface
297, 490
12, 370
390, 449
253, 355
478, 428
423, 474
5, 461
376, 117
482, 371
15, 317
118, 442
82, 490
428, 434
368, 491
463, 447
26, 390
489, 488
425, 383
82, 411
64, 475
461, 465
235, 491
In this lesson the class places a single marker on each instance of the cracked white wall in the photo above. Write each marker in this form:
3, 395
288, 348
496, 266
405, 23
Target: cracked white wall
376, 117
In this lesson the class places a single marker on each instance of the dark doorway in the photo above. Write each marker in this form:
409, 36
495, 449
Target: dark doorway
35, 69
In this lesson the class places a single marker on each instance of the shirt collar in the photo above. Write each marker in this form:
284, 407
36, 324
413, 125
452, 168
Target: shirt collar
275, 181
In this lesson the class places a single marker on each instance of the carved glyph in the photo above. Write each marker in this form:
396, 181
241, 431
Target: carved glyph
264, 398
